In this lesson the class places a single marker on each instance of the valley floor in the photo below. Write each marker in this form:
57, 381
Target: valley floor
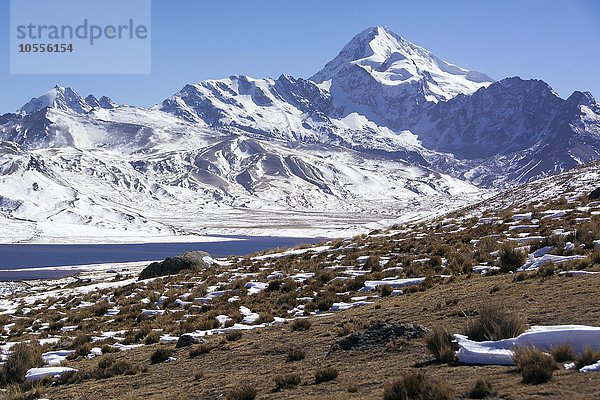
189, 226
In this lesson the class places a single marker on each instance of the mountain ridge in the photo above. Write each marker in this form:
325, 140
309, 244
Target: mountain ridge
400, 123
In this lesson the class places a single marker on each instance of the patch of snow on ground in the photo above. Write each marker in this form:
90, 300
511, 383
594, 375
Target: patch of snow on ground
34, 374
249, 316
576, 272
301, 277
125, 347
53, 358
500, 352
346, 306
168, 339
591, 368
94, 352
152, 313
534, 263
255, 287
394, 283
521, 217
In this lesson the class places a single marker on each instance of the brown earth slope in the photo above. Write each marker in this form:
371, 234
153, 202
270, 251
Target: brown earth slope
258, 357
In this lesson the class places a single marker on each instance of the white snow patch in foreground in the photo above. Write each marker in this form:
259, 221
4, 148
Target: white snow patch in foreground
152, 313
301, 277
34, 374
521, 217
275, 275
255, 287
94, 352
484, 269
50, 340
544, 250
591, 368
535, 262
346, 306
69, 328
125, 347
577, 272
218, 331
500, 352
53, 358
394, 283
168, 339
249, 316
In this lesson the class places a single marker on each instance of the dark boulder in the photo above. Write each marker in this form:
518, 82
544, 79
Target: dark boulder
378, 336
595, 195
187, 341
174, 265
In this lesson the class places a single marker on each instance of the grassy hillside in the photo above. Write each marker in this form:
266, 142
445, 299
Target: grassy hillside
272, 322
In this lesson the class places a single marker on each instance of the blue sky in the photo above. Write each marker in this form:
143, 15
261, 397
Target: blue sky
557, 41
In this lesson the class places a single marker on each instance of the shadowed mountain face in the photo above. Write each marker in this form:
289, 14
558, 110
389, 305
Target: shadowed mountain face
383, 122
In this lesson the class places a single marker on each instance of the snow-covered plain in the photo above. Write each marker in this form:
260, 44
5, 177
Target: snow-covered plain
157, 189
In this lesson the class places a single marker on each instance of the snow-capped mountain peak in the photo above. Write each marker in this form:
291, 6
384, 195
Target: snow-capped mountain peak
103, 102
61, 98
392, 60
386, 78
66, 99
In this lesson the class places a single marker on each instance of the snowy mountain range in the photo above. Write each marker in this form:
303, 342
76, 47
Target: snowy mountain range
385, 131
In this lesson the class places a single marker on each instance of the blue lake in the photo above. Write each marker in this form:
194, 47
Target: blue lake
32, 256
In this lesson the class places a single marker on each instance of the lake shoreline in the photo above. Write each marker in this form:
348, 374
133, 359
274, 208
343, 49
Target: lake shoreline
54, 261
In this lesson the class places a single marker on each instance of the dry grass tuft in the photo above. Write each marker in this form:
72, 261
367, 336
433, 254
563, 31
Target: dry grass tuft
482, 389
547, 269
439, 343
23, 357
295, 354
325, 374
245, 392
160, 355
199, 350
302, 325
109, 367
563, 353
234, 335
495, 323
536, 367
287, 381
16, 392
588, 357
416, 385
509, 258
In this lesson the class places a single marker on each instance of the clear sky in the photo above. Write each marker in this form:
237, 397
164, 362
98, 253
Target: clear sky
192, 40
